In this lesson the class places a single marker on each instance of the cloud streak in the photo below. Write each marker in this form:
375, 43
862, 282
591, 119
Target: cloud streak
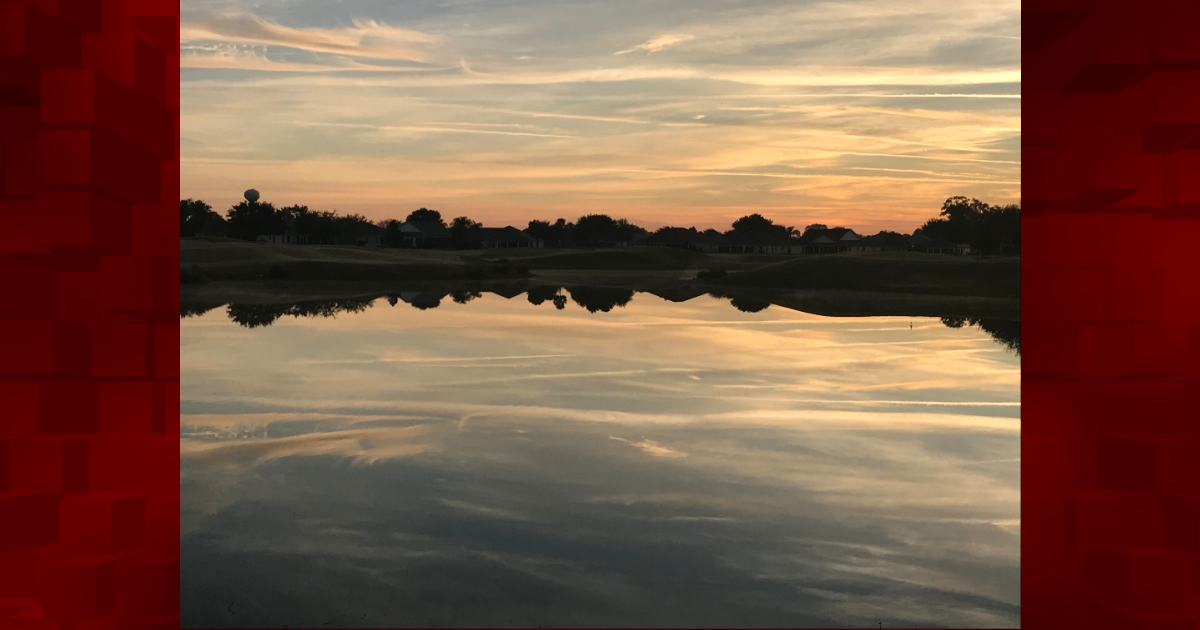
658, 43
515, 112
363, 38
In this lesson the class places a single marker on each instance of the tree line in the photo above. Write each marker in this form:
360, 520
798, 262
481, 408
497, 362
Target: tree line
986, 228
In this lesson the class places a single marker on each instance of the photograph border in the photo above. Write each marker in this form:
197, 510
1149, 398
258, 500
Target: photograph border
89, 356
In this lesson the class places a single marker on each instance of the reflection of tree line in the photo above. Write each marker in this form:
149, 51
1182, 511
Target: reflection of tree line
594, 299
743, 303
1006, 332
257, 315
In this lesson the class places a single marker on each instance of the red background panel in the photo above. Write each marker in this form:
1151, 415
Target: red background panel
89, 337
1111, 315
89, 388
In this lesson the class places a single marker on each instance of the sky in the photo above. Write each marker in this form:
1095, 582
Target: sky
867, 114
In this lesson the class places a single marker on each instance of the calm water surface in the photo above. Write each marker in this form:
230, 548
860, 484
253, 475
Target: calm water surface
497, 463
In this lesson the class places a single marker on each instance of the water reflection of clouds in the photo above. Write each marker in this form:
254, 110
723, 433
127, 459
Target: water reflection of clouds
781, 488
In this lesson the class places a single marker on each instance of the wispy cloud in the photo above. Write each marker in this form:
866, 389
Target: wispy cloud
363, 38
650, 447
507, 113
658, 43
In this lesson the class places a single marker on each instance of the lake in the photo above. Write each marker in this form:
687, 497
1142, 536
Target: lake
595, 458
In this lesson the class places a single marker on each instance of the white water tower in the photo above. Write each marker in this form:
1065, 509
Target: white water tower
251, 195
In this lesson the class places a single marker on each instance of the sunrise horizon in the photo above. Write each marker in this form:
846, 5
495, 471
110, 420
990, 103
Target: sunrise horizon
868, 114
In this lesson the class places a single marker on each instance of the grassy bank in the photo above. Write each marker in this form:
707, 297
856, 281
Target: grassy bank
887, 272
902, 282
220, 260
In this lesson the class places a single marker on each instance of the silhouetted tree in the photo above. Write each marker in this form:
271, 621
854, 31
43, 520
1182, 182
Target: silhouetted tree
324, 226
762, 225
988, 234
254, 315
989, 229
557, 234
249, 219
538, 295
816, 226
352, 224
749, 305
888, 240
465, 233
426, 301
195, 216
391, 235
601, 229
678, 233
600, 299
1006, 332
462, 297
964, 218
196, 309
427, 215
958, 221
1008, 225
954, 322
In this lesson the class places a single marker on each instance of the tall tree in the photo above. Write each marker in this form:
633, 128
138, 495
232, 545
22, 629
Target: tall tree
1009, 225
762, 225
963, 217
249, 219
601, 229
194, 214
988, 229
465, 233
557, 234
426, 215
887, 240
392, 236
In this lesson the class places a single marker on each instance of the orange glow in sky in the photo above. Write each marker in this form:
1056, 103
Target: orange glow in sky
674, 112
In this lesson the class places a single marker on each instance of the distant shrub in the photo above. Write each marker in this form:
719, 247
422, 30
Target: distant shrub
276, 272
710, 274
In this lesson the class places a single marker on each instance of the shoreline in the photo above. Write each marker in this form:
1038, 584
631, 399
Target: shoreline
829, 304
836, 285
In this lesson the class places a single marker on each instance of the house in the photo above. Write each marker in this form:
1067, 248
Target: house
938, 245
364, 236
370, 236
424, 234
755, 243
833, 241
506, 237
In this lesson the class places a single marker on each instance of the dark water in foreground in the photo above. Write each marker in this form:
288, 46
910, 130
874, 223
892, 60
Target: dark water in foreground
493, 463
